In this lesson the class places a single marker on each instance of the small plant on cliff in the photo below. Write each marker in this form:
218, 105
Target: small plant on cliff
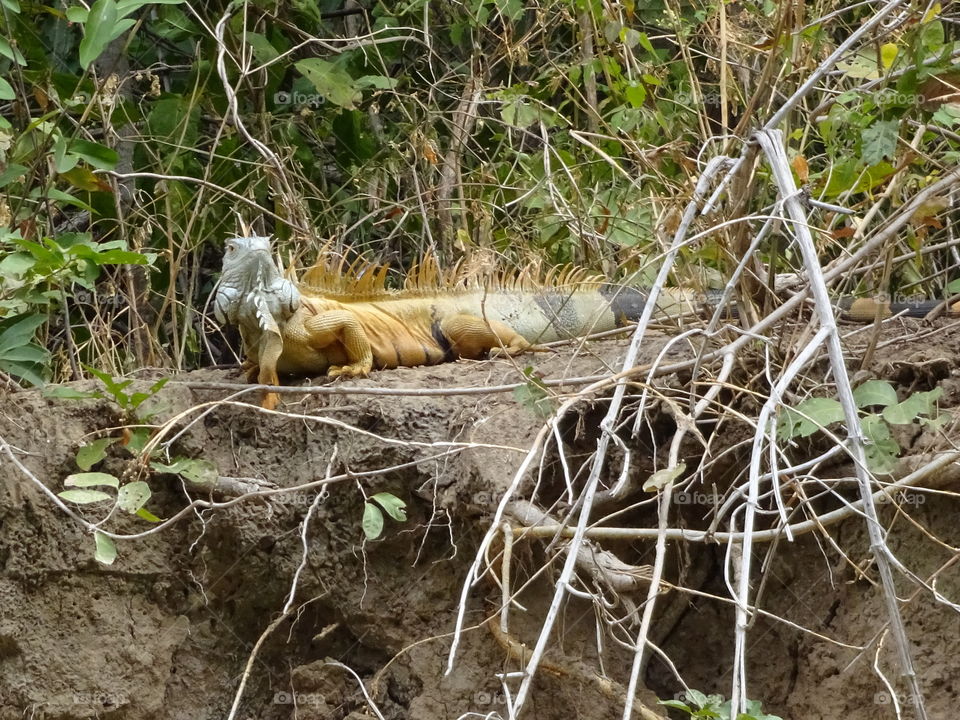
714, 706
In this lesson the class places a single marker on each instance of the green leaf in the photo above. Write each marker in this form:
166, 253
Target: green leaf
106, 551
263, 50
880, 141
10, 52
676, 704
809, 416
393, 505
636, 94
125, 7
98, 31
534, 396
888, 53
99, 156
11, 173
133, 496
372, 522
519, 113
90, 455
381, 82
920, 403
881, 449
77, 14
660, 478
11, 5
199, 472
21, 332
91, 479
875, 392
64, 392
331, 81
19, 263
83, 497
24, 372
147, 515
6, 90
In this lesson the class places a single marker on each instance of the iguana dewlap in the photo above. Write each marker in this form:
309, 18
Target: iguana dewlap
348, 326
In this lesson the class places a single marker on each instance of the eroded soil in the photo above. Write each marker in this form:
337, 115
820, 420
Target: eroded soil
168, 630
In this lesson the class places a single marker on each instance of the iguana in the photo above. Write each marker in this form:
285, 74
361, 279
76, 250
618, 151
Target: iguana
341, 320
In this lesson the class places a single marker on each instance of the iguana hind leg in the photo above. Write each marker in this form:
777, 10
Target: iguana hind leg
341, 326
471, 336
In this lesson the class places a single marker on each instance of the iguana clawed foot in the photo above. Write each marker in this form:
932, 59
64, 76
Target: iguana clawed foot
359, 369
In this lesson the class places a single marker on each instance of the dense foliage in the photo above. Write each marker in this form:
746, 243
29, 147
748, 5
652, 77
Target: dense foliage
136, 135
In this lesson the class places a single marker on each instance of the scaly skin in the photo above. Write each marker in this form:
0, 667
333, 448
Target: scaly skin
358, 325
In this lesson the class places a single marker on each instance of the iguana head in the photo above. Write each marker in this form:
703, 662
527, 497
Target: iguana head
239, 251
251, 291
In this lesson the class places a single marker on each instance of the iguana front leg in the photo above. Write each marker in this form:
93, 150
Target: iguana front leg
341, 326
271, 347
472, 336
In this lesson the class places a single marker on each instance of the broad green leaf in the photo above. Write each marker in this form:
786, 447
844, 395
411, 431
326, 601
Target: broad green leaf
10, 52
660, 478
11, 173
91, 479
879, 141
83, 497
392, 505
24, 372
98, 31
372, 522
27, 353
106, 551
61, 196
534, 397
99, 156
133, 496
332, 82
676, 704
519, 113
881, 449
89, 455
381, 82
6, 90
920, 403
888, 53
21, 332
11, 5
82, 178
19, 263
875, 392
77, 14
263, 50
200, 472
636, 94
809, 416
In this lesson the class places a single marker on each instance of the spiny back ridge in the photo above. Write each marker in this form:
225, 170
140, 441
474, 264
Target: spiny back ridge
333, 275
